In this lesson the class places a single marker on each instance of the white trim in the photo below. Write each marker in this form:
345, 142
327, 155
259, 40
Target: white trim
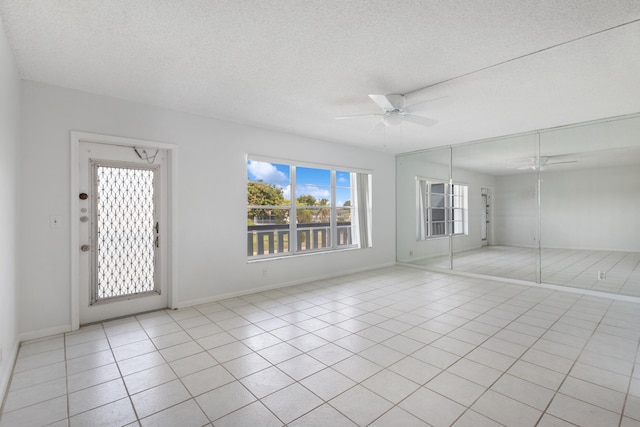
228, 295
9, 363
76, 138
44, 333
285, 161
542, 285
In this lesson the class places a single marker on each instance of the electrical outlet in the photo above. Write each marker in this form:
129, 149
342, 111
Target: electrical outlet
411, 252
602, 275
264, 272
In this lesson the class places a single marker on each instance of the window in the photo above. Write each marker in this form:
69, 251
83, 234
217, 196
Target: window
293, 209
442, 209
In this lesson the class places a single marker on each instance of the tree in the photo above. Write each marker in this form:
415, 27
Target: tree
261, 194
305, 215
325, 212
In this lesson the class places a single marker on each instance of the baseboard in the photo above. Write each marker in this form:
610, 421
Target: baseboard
219, 297
43, 333
5, 374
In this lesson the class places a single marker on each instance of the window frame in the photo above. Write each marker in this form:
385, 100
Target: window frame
455, 207
334, 226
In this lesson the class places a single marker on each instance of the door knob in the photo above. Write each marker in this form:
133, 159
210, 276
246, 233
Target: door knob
84, 248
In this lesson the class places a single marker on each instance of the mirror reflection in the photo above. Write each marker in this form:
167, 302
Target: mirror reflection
558, 206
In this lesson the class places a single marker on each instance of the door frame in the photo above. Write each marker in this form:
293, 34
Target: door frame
489, 193
76, 138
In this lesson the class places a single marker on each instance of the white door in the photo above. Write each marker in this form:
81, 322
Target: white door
123, 227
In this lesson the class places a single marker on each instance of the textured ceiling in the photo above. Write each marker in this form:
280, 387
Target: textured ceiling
508, 66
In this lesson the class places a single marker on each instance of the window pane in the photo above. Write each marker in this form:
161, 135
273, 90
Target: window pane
313, 187
313, 235
437, 188
437, 214
437, 200
268, 184
343, 188
313, 215
438, 229
267, 231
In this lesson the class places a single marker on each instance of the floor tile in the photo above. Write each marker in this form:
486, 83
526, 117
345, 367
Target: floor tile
323, 416
267, 381
291, 402
330, 354
471, 418
360, 405
140, 363
119, 412
581, 413
40, 414
180, 350
592, 393
159, 398
506, 410
208, 379
95, 396
279, 352
415, 370
390, 385
357, 368
149, 378
398, 417
523, 391
36, 376
194, 363
185, 414
246, 365
92, 377
475, 372
431, 407
254, 414
327, 383
301, 366
456, 388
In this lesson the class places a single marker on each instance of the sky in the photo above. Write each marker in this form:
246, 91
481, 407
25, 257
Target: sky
316, 182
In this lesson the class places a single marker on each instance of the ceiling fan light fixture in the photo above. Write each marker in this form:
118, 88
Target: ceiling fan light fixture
392, 119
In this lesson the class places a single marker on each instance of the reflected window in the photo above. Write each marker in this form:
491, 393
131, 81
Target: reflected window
442, 209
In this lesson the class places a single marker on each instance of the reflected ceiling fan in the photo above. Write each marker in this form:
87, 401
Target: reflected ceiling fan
395, 112
545, 161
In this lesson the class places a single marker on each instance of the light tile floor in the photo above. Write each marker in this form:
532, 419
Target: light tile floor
396, 346
569, 267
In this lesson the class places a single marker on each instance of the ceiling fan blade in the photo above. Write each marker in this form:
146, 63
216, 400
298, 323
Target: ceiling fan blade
422, 121
562, 163
383, 102
358, 116
429, 105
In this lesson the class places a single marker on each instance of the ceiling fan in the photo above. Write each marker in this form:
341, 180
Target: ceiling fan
395, 112
545, 161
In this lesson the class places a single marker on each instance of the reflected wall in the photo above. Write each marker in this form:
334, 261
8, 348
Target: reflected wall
559, 206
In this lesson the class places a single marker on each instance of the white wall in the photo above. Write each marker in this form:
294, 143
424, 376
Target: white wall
418, 165
211, 191
584, 209
515, 210
9, 140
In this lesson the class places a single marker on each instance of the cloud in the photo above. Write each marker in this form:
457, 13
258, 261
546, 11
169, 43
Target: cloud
267, 172
317, 192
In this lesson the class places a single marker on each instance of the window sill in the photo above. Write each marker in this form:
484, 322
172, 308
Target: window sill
298, 255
